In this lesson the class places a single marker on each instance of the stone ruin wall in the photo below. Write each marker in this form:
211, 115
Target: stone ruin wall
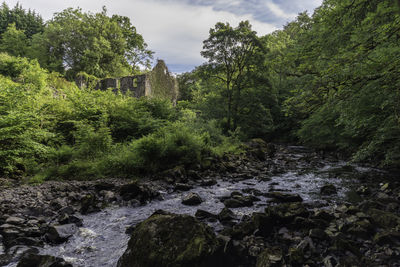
157, 83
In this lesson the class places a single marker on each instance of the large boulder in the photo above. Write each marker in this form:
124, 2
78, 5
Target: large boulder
166, 239
61, 233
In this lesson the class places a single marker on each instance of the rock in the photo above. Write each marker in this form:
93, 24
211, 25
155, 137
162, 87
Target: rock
391, 238
203, 215
208, 182
317, 233
137, 191
270, 257
68, 219
328, 189
285, 213
61, 233
106, 186
263, 223
192, 199
89, 203
384, 219
237, 200
34, 260
226, 215
171, 240
182, 187
284, 197
15, 220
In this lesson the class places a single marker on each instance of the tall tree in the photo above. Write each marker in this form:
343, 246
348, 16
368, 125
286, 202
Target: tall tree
229, 52
28, 21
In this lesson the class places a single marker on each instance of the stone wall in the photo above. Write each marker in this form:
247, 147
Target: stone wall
157, 83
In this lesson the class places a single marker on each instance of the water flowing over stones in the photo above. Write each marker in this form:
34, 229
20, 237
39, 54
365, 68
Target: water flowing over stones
264, 211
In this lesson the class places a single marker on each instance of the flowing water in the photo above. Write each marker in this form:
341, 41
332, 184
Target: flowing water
102, 239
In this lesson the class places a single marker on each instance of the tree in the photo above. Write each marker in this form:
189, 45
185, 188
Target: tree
13, 41
96, 44
229, 52
27, 21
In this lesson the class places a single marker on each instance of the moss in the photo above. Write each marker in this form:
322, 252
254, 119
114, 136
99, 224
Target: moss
170, 240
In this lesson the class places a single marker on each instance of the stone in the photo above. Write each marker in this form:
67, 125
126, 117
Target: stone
107, 186
284, 197
328, 189
270, 257
384, 219
317, 233
68, 219
205, 215
182, 187
208, 182
89, 203
226, 215
60, 233
192, 199
15, 220
33, 260
285, 213
171, 240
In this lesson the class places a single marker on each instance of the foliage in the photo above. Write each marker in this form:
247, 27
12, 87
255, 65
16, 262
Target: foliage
341, 66
229, 52
29, 22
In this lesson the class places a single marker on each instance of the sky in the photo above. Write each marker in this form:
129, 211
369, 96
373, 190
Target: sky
175, 29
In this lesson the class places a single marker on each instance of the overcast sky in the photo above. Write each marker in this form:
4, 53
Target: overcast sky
175, 29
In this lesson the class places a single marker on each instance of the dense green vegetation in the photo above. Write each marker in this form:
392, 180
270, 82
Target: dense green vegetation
52, 129
330, 80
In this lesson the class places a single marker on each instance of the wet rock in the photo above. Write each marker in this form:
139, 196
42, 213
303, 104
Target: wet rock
328, 189
286, 212
34, 260
237, 200
177, 174
208, 182
15, 220
205, 215
171, 240
226, 215
193, 175
284, 197
182, 187
270, 257
68, 219
61, 233
89, 203
134, 190
192, 199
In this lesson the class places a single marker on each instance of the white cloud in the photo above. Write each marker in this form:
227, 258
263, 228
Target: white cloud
277, 11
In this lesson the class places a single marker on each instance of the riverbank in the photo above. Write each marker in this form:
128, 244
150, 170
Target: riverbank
273, 205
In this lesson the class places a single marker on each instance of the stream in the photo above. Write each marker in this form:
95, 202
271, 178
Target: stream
102, 238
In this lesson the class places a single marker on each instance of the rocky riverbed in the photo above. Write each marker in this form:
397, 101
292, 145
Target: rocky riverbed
273, 206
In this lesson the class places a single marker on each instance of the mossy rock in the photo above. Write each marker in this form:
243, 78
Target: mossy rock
171, 240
